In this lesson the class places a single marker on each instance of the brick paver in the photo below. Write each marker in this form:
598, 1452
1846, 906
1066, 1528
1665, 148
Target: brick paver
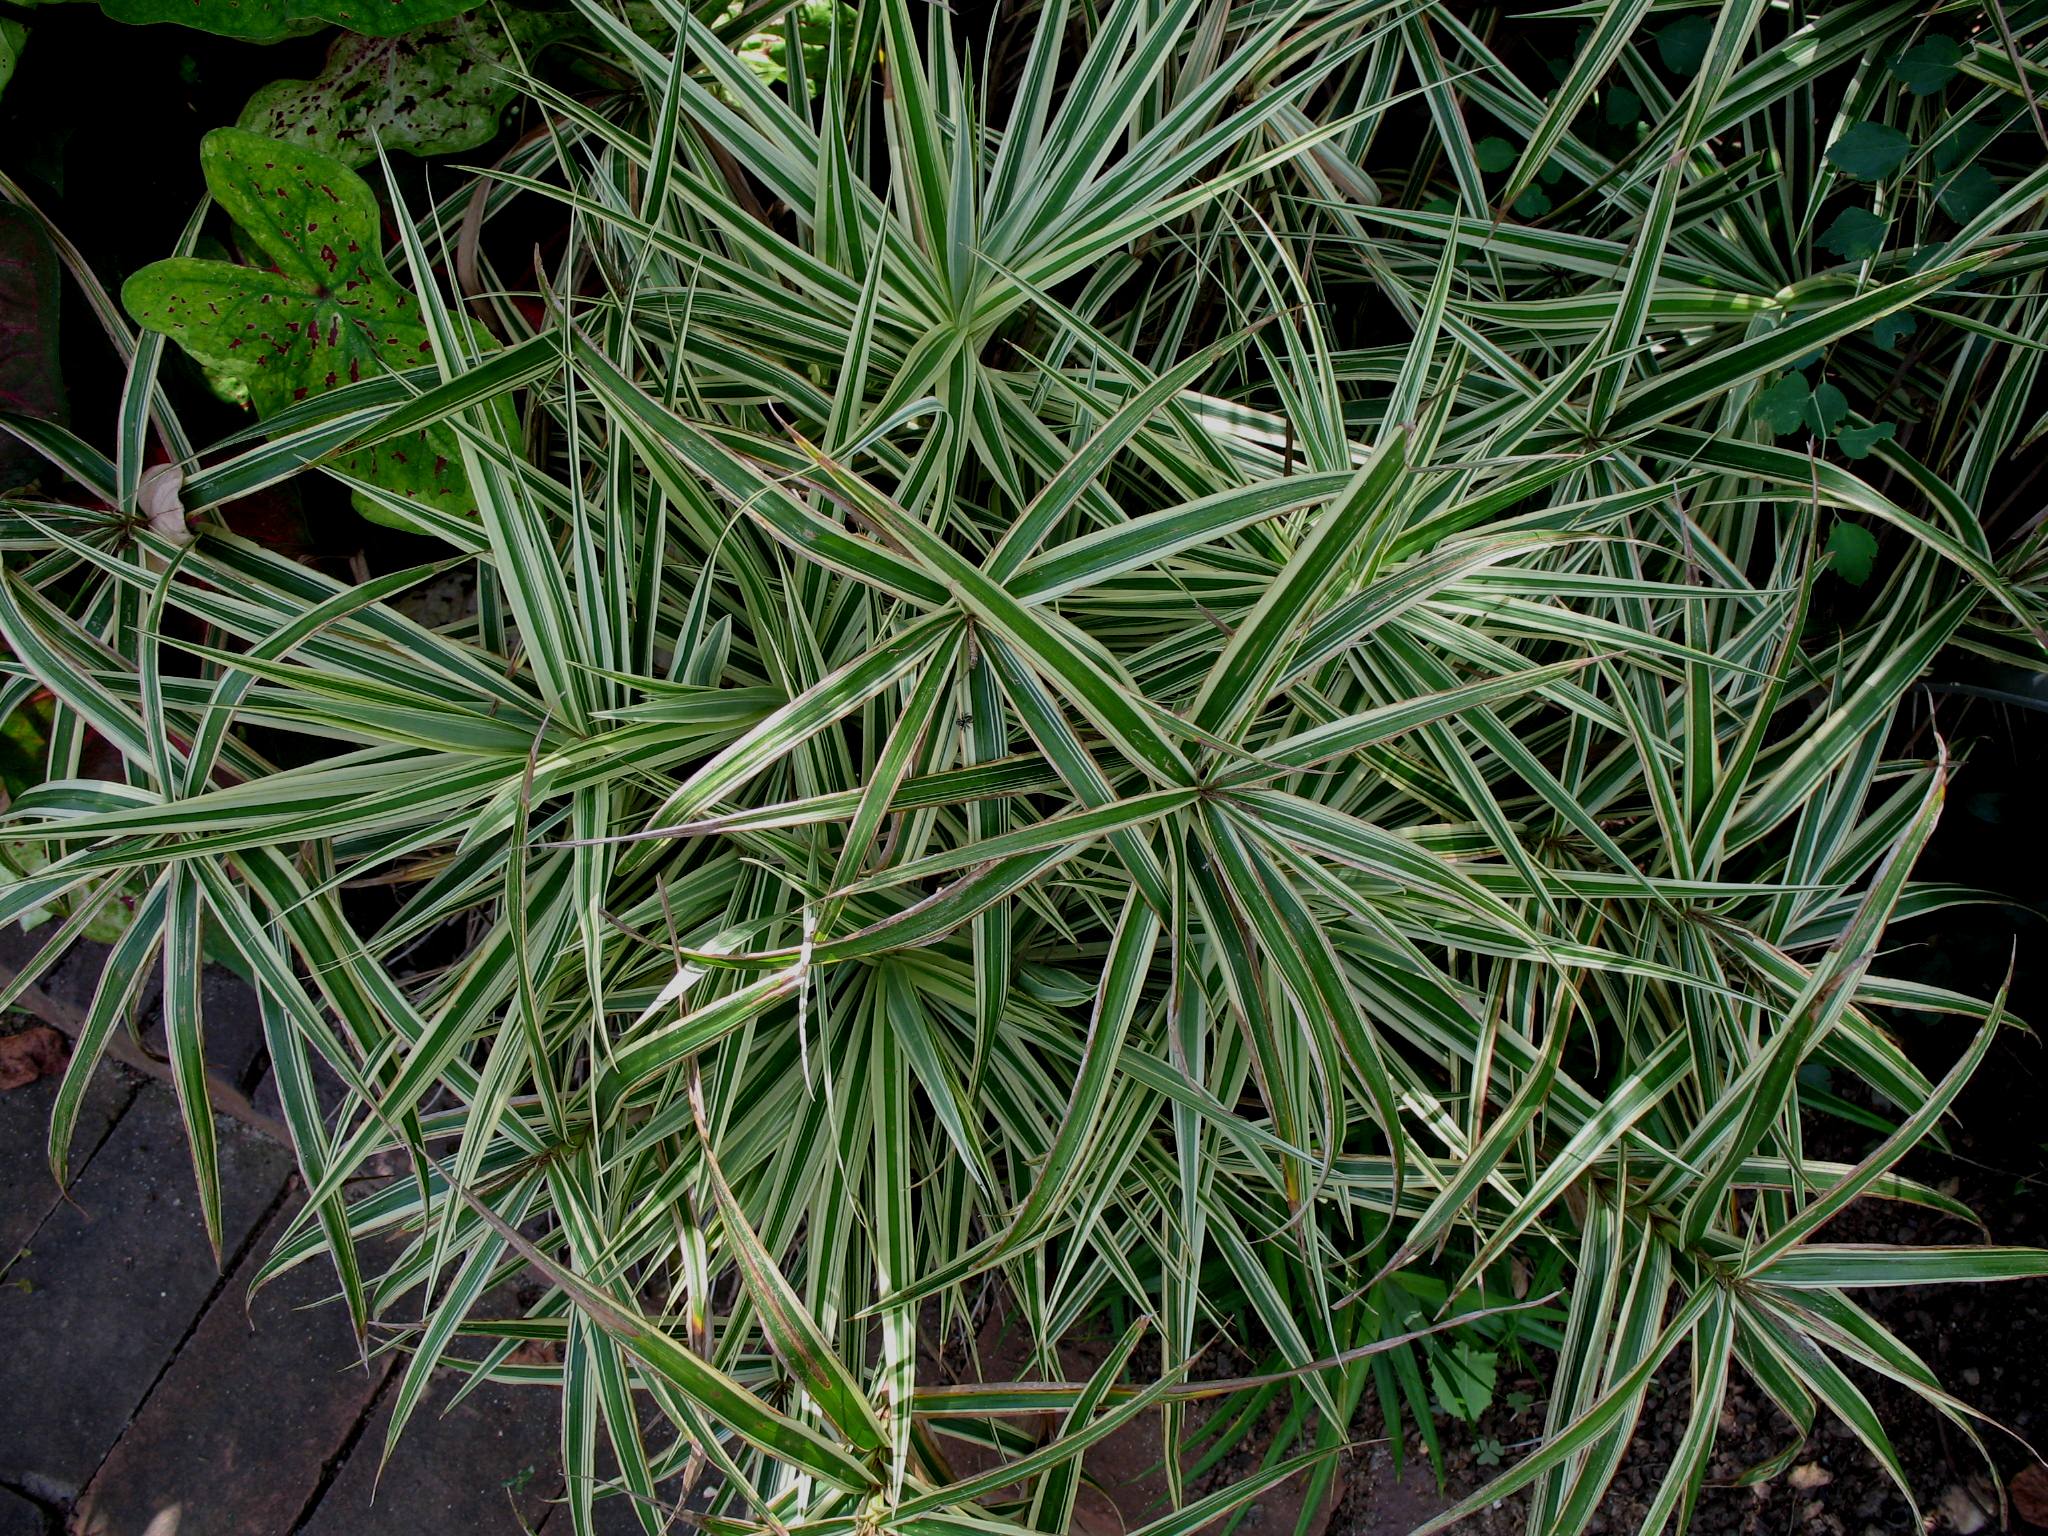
112, 1283
134, 1380
484, 1466
18, 1517
28, 1194
238, 1433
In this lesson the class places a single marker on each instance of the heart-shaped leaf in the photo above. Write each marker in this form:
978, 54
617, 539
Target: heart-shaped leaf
1683, 44
12, 35
264, 21
432, 91
1870, 151
1782, 407
1929, 64
1854, 551
1825, 410
327, 314
1856, 235
1857, 442
1464, 1379
1967, 193
1494, 154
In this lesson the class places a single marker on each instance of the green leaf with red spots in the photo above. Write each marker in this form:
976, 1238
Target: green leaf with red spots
432, 91
12, 35
324, 313
265, 21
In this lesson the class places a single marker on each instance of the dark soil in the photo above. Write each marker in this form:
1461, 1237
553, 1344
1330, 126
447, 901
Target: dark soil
1988, 1344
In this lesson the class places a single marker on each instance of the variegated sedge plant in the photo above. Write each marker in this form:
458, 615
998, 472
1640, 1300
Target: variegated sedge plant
1166, 678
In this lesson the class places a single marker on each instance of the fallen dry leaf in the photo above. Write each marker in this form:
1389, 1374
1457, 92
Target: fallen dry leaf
31, 1054
2030, 1495
157, 497
1963, 1513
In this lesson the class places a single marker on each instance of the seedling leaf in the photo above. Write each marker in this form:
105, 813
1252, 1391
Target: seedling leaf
1854, 551
1869, 151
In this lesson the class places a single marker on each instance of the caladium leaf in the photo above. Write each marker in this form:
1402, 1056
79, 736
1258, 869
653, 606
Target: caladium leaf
326, 314
264, 21
12, 35
766, 52
431, 91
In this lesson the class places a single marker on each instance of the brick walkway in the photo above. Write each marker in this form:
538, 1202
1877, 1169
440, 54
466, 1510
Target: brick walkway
142, 1394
